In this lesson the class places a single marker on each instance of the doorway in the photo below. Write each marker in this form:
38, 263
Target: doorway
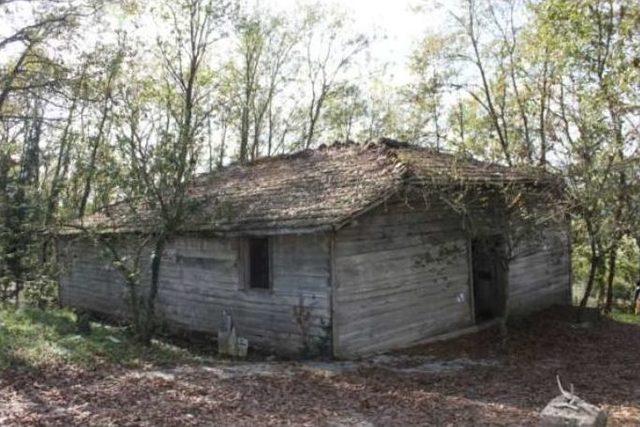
489, 278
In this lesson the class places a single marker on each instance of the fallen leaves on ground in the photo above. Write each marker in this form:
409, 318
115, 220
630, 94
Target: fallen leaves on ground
602, 362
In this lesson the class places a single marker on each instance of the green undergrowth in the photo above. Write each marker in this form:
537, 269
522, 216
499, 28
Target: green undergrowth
625, 317
31, 337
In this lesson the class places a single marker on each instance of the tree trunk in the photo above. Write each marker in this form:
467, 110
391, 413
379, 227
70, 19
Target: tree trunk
637, 238
244, 136
21, 210
544, 96
314, 115
86, 192
486, 88
612, 271
223, 143
595, 260
132, 285
149, 315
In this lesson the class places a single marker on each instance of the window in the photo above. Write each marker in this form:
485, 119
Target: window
257, 270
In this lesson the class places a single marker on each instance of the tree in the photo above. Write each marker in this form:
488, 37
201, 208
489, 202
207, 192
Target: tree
345, 110
329, 52
595, 118
492, 97
423, 96
104, 99
265, 46
35, 85
161, 140
47, 21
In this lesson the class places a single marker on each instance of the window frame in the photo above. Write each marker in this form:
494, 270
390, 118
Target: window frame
245, 267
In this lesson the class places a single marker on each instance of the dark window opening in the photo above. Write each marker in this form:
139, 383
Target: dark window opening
259, 263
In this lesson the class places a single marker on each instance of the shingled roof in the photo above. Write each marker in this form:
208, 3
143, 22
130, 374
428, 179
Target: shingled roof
313, 190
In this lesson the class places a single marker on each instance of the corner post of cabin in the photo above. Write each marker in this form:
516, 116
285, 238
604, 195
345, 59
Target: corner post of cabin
333, 290
471, 298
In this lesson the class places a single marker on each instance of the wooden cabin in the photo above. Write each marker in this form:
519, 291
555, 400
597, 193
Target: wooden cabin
346, 249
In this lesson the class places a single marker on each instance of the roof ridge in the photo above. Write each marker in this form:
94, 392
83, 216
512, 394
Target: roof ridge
382, 142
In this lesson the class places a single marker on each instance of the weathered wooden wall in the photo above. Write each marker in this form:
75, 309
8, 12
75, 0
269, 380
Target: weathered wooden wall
540, 272
201, 276
401, 275
88, 280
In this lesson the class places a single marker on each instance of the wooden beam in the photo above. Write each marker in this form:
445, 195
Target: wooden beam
333, 290
472, 302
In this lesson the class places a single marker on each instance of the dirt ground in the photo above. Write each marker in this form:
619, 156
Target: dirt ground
468, 381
